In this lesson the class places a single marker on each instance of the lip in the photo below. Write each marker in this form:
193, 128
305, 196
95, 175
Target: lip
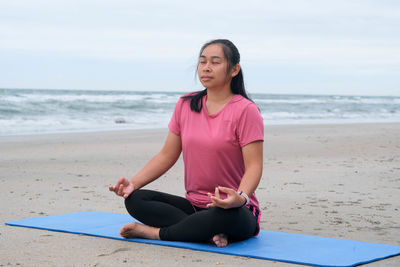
205, 78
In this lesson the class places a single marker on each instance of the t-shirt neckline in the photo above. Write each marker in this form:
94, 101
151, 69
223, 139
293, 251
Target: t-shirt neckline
234, 98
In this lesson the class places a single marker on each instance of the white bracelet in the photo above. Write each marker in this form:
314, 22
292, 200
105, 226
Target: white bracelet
245, 196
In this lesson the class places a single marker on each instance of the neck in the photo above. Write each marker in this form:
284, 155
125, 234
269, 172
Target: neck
220, 95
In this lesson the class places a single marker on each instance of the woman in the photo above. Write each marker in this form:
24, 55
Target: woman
220, 133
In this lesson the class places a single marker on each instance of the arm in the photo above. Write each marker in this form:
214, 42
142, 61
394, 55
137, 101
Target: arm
156, 167
253, 162
160, 163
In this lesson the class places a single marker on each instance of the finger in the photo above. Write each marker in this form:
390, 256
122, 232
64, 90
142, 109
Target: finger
128, 190
217, 192
212, 199
112, 188
210, 196
120, 190
226, 190
217, 202
124, 181
121, 181
116, 187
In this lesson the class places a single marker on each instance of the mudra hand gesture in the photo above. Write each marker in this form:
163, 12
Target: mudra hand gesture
232, 200
123, 187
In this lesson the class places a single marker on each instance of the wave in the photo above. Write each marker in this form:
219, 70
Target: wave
24, 111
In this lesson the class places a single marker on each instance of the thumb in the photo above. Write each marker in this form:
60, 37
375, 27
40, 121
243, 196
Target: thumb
226, 190
128, 190
125, 182
127, 193
217, 192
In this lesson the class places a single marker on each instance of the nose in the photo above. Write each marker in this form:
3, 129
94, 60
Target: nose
206, 67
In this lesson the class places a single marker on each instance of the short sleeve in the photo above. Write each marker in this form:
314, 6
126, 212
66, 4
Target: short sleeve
250, 126
174, 124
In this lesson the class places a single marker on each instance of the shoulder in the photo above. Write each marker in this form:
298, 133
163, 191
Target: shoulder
194, 94
183, 103
188, 95
247, 112
243, 104
185, 97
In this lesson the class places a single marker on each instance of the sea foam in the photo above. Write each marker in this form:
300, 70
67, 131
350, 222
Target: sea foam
24, 111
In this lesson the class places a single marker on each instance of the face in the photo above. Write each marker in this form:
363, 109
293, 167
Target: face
212, 68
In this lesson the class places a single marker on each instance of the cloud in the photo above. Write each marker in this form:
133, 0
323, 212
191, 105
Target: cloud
343, 37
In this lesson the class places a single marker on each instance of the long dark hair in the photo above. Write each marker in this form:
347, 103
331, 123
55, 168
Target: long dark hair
232, 55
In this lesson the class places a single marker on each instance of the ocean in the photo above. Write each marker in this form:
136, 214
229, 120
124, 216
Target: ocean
28, 111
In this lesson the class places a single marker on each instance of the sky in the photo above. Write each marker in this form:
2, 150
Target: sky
347, 47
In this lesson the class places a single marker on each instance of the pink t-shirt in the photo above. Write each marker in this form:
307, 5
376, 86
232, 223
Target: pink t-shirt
212, 145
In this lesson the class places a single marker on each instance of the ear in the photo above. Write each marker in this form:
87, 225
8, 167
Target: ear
235, 70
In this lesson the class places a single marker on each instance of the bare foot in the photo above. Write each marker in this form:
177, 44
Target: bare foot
220, 240
134, 229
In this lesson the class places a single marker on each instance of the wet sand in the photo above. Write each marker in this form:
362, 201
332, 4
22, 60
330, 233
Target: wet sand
339, 181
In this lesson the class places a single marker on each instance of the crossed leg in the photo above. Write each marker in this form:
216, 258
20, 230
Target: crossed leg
169, 217
135, 229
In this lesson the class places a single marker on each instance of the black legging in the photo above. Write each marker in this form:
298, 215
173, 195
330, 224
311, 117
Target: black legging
178, 220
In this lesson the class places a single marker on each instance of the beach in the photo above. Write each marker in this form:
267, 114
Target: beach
334, 180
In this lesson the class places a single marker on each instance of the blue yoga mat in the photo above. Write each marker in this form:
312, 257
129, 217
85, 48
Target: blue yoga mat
268, 245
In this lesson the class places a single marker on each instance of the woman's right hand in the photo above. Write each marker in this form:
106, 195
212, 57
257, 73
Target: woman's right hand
123, 187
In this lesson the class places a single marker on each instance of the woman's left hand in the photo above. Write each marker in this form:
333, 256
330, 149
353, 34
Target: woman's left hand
232, 200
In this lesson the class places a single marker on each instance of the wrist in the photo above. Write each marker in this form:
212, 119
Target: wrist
245, 196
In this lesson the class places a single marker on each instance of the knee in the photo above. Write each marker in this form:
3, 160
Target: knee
222, 216
137, 195
133, 200
216, 211
228, 218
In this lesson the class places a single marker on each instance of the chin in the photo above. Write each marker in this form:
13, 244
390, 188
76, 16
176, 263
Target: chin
205, 84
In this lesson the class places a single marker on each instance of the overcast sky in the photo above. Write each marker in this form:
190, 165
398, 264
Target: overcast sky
287, 46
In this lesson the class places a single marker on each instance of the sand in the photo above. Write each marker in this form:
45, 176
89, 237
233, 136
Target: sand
339, 181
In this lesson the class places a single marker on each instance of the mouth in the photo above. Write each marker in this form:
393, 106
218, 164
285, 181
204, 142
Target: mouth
205, 78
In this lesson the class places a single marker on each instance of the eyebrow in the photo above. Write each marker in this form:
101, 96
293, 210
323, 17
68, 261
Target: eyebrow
216, 57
